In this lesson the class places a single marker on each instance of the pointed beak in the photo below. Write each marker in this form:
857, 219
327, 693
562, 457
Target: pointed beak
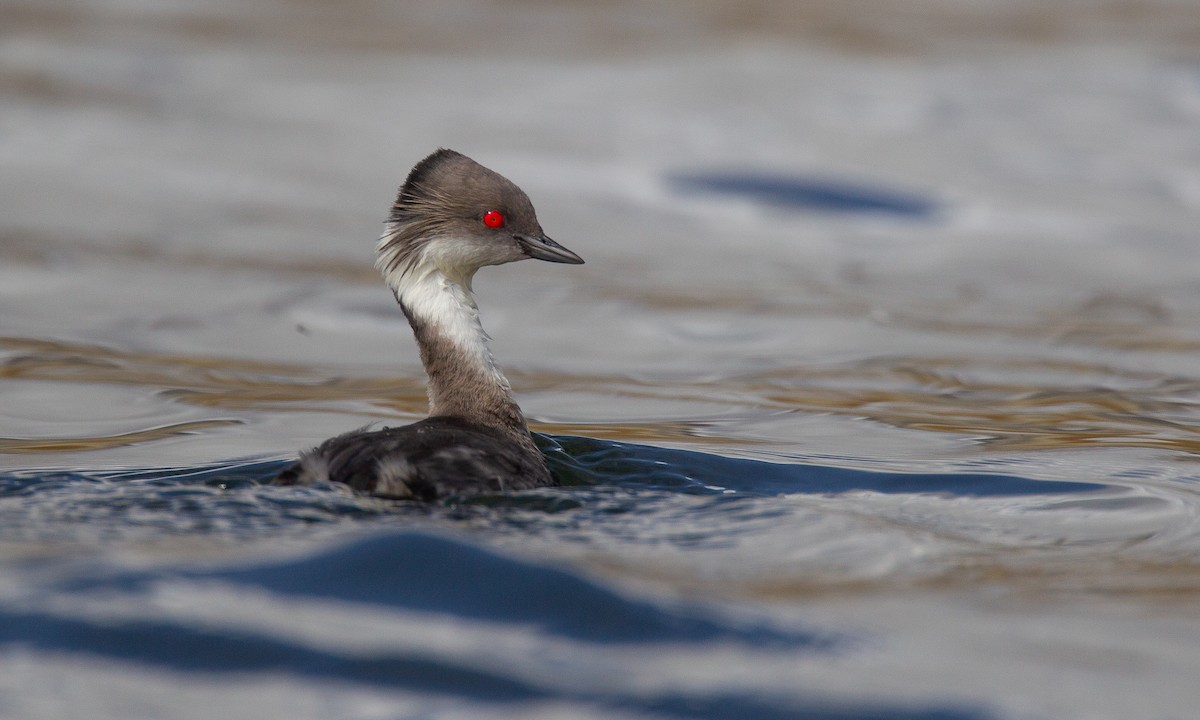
543, 248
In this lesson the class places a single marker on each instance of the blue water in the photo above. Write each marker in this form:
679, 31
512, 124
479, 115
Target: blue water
910, 340
595, 475
436, 576
820, 194
388, 559
587, 461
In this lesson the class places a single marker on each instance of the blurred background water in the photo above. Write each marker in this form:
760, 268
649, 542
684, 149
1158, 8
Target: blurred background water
877, 398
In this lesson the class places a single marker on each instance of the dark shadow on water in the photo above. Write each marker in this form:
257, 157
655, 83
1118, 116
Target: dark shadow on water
454, 580
600, 478
172, 646
180, 648
432, 574
586, 461
804, 193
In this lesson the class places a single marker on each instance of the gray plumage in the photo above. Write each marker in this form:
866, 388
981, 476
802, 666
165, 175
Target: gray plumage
436, 457
451, 217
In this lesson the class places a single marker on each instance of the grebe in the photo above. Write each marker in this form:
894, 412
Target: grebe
451, 217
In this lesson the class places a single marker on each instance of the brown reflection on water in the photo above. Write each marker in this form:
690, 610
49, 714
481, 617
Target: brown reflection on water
693, 433
1076, 404
106, 442
996, 407
1003, 404
575, 27
29, 247
206, 381
1067, 329
1064, 575
1112, 322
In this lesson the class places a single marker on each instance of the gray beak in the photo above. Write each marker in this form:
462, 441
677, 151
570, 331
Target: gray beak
543, 248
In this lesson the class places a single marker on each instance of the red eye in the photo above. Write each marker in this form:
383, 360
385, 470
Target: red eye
493, 219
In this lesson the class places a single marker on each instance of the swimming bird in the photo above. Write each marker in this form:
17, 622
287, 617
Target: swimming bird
451, 217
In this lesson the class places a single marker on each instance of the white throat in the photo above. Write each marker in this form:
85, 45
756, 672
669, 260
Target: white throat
446, 304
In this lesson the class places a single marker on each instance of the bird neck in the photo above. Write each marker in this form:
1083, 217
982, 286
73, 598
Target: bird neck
463, 378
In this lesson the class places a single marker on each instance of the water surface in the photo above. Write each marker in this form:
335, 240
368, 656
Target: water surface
876, 398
